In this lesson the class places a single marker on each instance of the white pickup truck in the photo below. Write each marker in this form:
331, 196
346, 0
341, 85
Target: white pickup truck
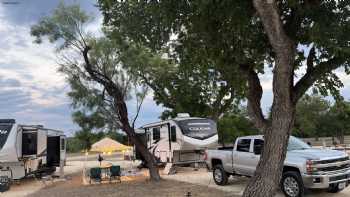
304, 167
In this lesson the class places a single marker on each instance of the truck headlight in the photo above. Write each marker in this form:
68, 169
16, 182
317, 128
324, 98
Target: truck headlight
309, 167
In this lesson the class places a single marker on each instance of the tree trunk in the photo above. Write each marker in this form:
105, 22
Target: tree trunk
269, 170
151, 162
276, 133
121, 109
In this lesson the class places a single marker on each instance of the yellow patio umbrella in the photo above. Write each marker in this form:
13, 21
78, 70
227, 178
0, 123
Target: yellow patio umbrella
107, 145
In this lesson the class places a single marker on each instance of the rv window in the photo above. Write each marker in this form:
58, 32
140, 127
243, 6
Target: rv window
173, 133
156, 134
63, 144
29, 143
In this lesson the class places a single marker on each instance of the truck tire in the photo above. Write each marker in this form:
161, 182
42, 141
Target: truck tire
292, 184
334, 188
219, 175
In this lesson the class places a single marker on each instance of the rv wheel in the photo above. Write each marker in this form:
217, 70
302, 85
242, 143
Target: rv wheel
4, 184
220, 175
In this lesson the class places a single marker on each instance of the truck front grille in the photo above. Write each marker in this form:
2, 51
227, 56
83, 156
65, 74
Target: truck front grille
331, 160
334, 168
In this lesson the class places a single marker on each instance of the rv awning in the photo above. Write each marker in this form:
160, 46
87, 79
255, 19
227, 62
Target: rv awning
108, 145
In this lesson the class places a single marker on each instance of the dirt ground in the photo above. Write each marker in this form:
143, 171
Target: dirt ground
199, 183
236, 185
141, 187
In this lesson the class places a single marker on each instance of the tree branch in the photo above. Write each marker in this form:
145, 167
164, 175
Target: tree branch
310, 60
254, 96
273, 26
312, 75
138, 107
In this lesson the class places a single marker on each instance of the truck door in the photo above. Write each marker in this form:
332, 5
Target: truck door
241, 157
255, 155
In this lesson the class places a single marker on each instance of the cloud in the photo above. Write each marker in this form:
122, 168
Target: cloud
27, 12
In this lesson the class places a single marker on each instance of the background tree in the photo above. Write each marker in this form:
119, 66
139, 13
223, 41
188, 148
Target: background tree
235, 124
243, 36
336, 123
318, 117
96, 63
310, 111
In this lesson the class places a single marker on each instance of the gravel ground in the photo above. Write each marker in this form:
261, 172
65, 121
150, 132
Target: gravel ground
236, 185
199, 183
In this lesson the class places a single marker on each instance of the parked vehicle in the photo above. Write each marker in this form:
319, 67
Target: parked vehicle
181, 140
304, 166
29, 150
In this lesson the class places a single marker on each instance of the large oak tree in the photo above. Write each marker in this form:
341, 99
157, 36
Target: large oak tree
302, 41
95, 64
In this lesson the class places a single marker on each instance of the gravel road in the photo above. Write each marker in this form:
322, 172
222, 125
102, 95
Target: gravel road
236, 185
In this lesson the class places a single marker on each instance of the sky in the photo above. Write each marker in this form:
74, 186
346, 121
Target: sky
31, 89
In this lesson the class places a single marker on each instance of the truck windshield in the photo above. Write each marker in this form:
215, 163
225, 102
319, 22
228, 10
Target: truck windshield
4, 133
297, 144
198, 128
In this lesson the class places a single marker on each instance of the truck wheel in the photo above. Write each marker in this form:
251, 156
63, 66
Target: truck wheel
334, 188
220, 175
292, 184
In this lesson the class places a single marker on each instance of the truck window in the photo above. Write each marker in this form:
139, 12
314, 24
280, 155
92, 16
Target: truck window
156, 134
258, 146
243, 145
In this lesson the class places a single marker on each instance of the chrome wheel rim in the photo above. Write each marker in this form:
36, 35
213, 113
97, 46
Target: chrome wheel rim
217, 175
291, 186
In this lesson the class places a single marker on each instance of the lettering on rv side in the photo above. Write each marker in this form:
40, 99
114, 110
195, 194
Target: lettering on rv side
199, 128
3, 132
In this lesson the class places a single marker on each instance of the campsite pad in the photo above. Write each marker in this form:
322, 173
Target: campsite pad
135, 187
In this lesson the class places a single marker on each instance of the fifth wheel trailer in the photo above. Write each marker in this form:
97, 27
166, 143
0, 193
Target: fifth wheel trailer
27, 150
181, 140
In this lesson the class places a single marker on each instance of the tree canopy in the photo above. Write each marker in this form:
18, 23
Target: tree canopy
303, 42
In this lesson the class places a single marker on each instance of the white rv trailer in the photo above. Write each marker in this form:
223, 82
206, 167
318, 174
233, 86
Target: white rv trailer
181, 140
29, 149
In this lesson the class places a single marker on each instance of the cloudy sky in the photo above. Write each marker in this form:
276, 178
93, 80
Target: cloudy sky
32, 91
